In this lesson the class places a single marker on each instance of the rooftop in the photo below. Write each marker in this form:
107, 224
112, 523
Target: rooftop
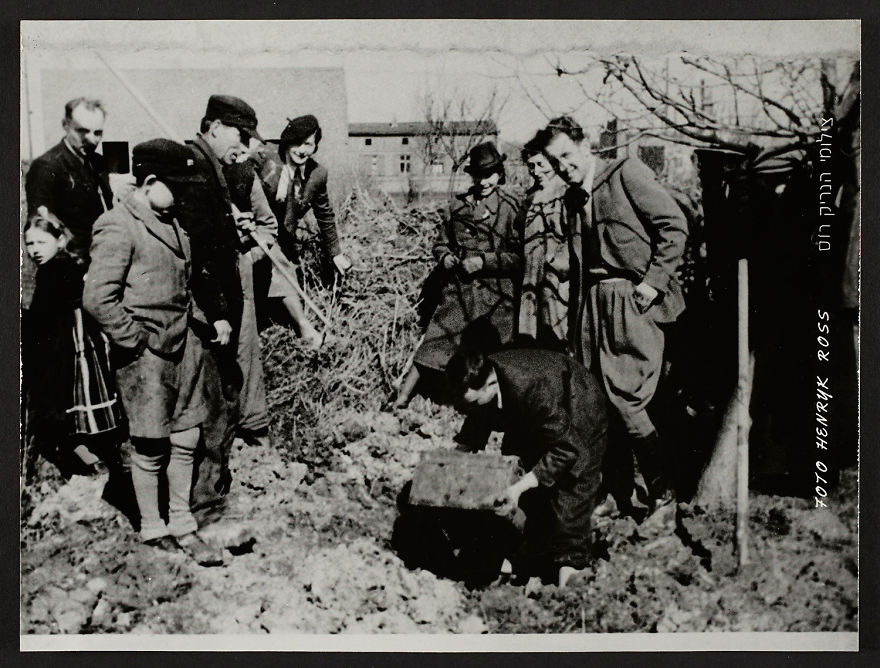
415, 128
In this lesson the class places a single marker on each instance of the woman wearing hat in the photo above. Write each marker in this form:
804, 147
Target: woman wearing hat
479, 252
543, 307
294, 187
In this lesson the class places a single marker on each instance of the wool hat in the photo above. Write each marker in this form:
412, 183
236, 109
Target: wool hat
484, 159
233, 111
164, 158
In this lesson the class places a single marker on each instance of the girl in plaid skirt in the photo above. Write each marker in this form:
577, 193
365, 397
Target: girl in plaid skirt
71, 400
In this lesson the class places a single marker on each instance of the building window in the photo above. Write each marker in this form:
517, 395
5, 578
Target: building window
368, 141
404, 141
404, 164
437, 167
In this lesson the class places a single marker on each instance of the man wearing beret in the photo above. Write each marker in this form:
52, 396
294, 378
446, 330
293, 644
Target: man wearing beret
628, 239
138, 290
206, 213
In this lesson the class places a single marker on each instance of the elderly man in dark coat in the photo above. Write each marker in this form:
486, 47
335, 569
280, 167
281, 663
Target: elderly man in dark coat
628, 241
70, 179
553, 415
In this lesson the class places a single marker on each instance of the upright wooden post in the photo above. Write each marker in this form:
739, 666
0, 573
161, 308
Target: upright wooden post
742, 413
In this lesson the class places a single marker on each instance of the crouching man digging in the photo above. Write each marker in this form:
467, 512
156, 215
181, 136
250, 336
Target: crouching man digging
552, 412
137, 289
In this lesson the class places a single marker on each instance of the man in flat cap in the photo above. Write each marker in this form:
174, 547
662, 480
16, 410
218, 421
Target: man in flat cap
206, 212
138, 290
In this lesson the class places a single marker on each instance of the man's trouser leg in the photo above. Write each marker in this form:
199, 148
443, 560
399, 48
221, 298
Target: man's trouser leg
218, 432
254, 415
625, 346
558, 527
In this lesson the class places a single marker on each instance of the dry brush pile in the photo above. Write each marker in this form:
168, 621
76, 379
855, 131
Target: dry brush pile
374, 331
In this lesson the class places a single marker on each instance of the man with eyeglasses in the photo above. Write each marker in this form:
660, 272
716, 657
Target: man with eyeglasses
206, 212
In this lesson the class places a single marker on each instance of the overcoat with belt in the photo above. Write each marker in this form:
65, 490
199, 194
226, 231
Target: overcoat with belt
475, 227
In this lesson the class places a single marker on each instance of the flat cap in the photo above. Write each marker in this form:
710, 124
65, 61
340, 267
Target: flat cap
164, 158
233, 111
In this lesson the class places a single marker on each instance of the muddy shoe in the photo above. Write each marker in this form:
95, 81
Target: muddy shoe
226, 533
607, 508
255, 437
165, 543
662, 509
664, 497
202, 553
566, 573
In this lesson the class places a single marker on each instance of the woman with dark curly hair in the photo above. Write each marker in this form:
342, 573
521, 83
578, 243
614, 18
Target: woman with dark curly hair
294, 187
543, 308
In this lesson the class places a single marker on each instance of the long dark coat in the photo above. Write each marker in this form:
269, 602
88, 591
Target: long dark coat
76, 190
47, 346
487, 228
554, 417
204, 211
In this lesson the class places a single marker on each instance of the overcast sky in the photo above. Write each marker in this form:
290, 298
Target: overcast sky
390, 64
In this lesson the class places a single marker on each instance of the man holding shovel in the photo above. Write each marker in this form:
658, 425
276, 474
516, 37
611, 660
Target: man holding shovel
553, 415
208, 215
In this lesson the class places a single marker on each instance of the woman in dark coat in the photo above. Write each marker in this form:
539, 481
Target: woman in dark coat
479, 251
294, 187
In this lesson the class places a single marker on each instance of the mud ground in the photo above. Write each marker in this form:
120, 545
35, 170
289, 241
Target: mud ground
320, 559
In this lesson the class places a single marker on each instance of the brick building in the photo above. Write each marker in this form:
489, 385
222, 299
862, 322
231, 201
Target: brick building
415, 158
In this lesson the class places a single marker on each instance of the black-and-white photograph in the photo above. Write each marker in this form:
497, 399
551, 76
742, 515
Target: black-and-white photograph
419, 333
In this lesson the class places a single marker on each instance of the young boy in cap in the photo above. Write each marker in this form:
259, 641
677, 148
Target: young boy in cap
137, 289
